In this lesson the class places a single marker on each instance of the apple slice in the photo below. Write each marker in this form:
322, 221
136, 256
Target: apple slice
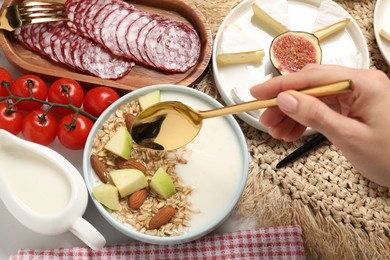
149, 99
120, 143
107, 195
128, 181
162, 184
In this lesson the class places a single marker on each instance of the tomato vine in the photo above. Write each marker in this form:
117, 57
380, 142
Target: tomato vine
16, 100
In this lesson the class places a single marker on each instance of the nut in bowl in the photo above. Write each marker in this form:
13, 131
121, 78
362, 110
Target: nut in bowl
162, 197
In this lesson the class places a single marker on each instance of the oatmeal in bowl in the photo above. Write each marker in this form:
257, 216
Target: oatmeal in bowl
164, 197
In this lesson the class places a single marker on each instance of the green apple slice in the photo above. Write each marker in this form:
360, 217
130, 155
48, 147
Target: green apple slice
107, 195
120, 143
162, 184
128, 181
149, 99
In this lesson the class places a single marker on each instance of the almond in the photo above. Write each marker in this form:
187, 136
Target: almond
138, 198
99, 167
162, 217
129, 121
130, 164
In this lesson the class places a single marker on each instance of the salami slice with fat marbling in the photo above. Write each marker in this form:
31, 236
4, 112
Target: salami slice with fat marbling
82, 54
149, 39
121, 30
172, 46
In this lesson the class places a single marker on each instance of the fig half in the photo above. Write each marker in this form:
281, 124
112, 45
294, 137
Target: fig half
291, 51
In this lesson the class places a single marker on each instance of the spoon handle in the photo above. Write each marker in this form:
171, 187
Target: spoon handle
340, 87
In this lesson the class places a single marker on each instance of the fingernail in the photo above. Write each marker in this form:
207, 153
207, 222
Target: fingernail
287, 102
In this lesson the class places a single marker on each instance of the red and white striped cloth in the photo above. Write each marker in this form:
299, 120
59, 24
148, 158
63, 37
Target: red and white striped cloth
263, 243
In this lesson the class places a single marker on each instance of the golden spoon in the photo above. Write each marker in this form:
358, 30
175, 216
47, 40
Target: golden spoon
170, 125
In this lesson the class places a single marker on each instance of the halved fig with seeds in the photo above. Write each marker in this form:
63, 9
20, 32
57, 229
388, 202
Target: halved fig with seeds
291, 51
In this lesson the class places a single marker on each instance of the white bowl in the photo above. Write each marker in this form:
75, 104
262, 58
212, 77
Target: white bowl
217, 165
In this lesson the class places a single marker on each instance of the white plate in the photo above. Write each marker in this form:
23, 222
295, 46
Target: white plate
302, 15
382, 16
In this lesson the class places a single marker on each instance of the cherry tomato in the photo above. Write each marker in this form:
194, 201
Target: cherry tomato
98, 99
64, 89
22, 86
39, 127
73, 131
5, 80
10, 118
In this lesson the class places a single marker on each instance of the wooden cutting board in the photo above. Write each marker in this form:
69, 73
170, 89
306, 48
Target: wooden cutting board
140, 76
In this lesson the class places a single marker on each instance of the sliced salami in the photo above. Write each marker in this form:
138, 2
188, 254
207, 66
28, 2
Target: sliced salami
77, 11
88, 21
109, 28
45, 35
18, 34
26, 33
60, 44
55, 42
35, 29
172, 46
142, 36
103, 63
100, 19
67, 50
121, 32
132, 35
84, 16
76, 54
145, 38
73, 9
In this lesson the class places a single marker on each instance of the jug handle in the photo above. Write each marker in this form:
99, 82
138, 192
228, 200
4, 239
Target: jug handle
88, 234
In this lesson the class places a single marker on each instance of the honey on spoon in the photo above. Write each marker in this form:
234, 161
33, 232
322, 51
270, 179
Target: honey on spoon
170, 125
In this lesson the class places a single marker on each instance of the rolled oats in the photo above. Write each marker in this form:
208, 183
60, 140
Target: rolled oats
139, 219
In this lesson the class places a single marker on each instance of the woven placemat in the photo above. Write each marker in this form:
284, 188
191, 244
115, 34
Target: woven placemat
342, 214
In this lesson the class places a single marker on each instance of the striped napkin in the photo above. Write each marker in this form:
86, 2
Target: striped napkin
261, 243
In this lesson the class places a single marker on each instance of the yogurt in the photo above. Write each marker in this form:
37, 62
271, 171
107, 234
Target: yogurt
215, 164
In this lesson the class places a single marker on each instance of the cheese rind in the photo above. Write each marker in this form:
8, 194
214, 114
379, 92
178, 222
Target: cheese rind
243, 57
273, 13
328, 14
330, 19
239, 47
385, 33
242, 93
331, 29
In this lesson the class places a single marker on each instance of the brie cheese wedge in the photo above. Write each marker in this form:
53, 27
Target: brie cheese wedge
329, 20
242, 93
385, 33
239, 47
273, 13
351, 61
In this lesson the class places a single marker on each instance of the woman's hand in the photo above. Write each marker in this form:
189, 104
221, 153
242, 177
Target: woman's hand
358, 123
